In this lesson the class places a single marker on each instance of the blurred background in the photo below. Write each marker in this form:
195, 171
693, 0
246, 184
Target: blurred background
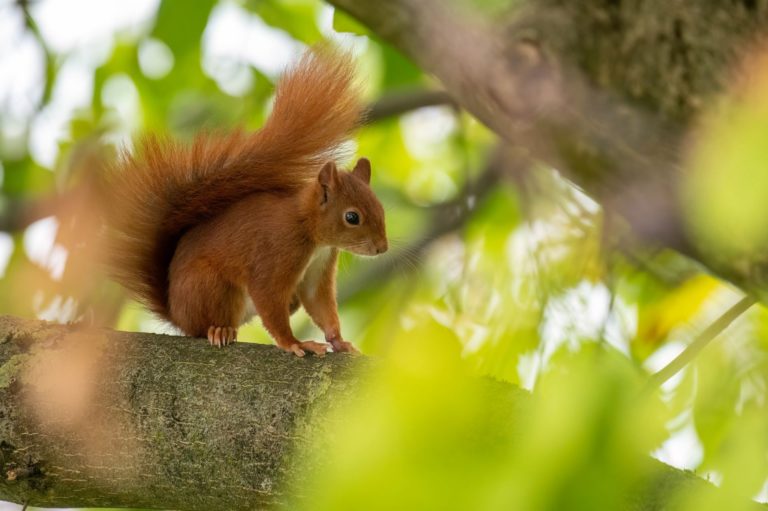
489, 276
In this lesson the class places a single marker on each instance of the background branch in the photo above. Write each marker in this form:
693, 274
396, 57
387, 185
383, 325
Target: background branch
398, 103
701, 340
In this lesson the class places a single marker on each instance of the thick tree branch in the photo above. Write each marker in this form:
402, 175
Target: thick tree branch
112, 419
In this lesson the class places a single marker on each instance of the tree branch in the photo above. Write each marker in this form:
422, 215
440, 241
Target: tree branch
109, 419
704, 338
97, 418
398, 103
18, 214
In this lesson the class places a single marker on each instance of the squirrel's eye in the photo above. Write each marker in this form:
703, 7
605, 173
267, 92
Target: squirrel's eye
352, 218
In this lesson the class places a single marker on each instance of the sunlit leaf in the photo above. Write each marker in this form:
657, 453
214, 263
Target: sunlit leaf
727, 186
343, 22
657, 318
179, 24
26, 178
297, 17
399, 72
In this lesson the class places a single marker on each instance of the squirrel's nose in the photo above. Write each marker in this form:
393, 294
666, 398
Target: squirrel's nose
382, 246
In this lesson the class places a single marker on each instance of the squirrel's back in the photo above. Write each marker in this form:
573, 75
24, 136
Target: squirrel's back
166, 187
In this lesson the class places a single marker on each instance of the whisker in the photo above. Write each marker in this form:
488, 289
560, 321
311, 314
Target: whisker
407, 259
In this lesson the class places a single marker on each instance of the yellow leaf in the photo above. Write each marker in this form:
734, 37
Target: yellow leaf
657, 319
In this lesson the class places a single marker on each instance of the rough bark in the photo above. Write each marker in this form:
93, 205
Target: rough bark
98, 418
605, 91
111, 419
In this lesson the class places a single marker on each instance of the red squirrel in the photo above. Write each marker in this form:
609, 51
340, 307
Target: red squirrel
198, 230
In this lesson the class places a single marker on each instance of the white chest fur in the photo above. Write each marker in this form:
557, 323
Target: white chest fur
314, 270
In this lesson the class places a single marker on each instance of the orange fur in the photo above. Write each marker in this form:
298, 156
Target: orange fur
196, 226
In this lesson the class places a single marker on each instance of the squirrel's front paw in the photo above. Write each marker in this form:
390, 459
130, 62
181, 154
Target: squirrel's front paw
300, 348
340, 346
222, 335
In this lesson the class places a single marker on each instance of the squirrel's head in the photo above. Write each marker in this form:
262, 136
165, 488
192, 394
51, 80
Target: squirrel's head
351, 217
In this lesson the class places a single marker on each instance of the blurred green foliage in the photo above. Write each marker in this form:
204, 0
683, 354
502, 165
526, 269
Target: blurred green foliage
522, 289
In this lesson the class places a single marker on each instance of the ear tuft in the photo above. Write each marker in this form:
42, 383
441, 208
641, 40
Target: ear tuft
363, 170
328, 174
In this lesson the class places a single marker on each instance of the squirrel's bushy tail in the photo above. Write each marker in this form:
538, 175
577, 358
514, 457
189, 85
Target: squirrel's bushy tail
165, 187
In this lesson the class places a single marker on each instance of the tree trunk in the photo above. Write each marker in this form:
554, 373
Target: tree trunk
605, 91
97, 418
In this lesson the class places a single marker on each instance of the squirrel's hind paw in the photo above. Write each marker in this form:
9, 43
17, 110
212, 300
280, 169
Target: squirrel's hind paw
222, 335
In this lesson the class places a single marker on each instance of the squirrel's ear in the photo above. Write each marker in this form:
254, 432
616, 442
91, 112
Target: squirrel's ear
327, 175
363, 170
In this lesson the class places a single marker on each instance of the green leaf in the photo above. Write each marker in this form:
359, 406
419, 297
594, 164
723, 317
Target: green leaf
180, 24
20, 275
399, 72
25, 177
296, 17
343, 22
495, 219
383, 143
727, 185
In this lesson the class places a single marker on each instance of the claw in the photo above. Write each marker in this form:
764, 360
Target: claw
219, 336
296, 350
